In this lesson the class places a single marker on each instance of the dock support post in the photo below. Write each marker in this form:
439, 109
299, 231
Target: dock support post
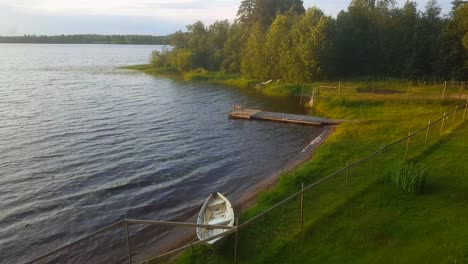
128, 241
407, 145
347, 176
302, 208
427, 132
236, 238
443, 122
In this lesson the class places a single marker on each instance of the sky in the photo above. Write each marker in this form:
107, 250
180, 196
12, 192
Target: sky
154, 17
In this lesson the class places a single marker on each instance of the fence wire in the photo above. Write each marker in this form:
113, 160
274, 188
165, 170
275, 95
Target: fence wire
133, 240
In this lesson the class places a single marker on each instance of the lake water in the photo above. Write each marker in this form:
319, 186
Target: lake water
83, 143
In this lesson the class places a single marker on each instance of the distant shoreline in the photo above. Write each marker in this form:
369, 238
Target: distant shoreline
123, 44
86, 39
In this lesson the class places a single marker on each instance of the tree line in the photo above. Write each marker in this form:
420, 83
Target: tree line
280, 39
87, 39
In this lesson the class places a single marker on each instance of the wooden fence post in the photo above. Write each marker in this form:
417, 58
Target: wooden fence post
407, 93
443, 122
443, 92
339, 88
128, 240
236, 240
407, 145
380, 162
454, 116
464, 112
460, 92
427, 132
347, 175
302, 208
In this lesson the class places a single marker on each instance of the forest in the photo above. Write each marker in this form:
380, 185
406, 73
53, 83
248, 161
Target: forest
280, 39
87, 39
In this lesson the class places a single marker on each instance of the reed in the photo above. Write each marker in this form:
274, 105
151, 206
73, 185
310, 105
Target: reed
410, 177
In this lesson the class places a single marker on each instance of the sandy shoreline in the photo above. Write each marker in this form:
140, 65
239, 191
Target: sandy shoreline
177, 237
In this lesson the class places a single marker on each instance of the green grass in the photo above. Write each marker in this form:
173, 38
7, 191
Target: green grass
384, 225
409, 176
386, 122
379, 222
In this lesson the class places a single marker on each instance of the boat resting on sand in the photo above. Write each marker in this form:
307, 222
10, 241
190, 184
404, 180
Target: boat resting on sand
217, 210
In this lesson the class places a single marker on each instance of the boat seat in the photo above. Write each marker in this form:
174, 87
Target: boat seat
217, 203
219, 221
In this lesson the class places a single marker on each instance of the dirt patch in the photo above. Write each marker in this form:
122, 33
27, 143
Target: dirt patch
378, 91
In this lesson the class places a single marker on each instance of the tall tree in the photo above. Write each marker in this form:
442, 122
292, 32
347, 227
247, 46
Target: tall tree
233, 47
252, 55
245, 14
313, 46
278, 46
266, 10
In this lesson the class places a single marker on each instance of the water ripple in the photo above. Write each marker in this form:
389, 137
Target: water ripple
83, 143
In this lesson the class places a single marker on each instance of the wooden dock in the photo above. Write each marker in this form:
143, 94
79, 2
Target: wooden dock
256, 114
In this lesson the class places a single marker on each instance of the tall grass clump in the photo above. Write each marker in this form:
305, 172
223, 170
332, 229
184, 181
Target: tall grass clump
411, 177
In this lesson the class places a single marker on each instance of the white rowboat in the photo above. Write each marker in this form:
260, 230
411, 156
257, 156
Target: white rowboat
217, 210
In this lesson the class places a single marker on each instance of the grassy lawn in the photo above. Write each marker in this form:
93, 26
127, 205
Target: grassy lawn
275, 238
378, 223
386, 225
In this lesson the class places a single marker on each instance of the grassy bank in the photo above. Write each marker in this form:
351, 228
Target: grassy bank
385, 225
356, 89
378, 220
277, 235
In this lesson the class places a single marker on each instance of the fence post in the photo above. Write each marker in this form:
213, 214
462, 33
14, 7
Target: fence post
302, 208
339, 88
464, 112
380, 161
443, 93
454, 116
443, 122
460, 92
427, 132
407, 145
236, 240
128, 240
347, 175
407, 93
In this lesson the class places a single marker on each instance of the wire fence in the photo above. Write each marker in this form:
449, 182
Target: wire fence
402, 90
293, 213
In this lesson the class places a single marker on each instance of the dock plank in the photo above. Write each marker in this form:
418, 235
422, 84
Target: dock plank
246, 113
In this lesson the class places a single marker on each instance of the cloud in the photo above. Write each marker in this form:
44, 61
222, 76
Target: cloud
177, 9
130, 16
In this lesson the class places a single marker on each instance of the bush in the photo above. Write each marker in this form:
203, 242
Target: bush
412, 178
182, 60
160, 59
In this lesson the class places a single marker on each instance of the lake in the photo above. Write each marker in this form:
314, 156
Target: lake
83, 143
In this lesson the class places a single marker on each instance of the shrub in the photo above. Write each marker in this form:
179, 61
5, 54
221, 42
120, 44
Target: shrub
160, 59
182, 60
412, 178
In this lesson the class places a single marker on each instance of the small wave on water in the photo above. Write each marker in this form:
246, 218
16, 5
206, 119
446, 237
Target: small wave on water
82, 144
